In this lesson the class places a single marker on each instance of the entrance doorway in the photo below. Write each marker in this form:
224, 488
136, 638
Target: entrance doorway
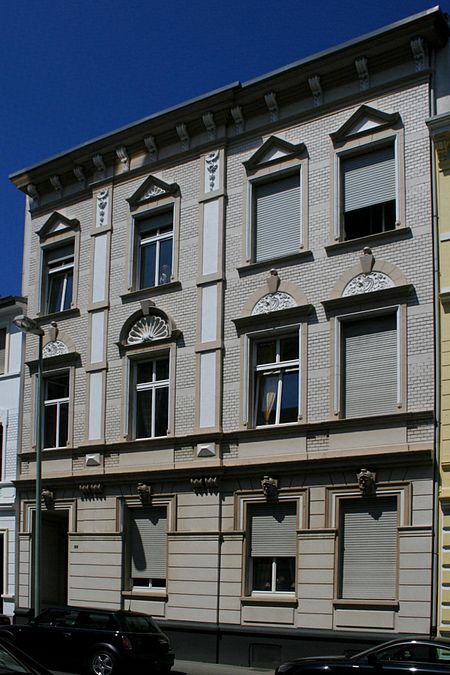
54, 561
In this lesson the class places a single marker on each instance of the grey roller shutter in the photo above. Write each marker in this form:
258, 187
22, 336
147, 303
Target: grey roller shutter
370, 365
54, 255
274, 530
149, 543
369, 548
277, 212
369, 179
156, 221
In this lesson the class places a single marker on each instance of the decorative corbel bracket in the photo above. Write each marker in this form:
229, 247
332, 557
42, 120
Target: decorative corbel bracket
205, 484
366, 482
145, 493
48, 497
270, 488
272, 105
89, 490
316, 89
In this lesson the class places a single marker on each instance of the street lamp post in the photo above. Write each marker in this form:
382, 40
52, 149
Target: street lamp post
28, 325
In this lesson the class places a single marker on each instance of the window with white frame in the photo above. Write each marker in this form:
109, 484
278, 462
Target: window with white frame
273, 547
276, 380
154, 249
151, 397
368, 548
56, 410
368, 192
370, 365
59, 265
148, 547
277, 211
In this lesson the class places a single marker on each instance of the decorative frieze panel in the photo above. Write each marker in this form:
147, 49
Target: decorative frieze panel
273, 302
55, 348
148, 329
102, 208
212, 171
367, 283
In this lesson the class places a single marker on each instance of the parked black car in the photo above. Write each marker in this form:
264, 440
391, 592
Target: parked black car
13, 660
98, 641
398, 657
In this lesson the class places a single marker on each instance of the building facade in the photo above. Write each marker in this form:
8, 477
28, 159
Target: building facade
11, 350
238, 401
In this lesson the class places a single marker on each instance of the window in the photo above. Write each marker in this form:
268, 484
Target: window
276, 217
56, 410
59, 263
368, 548
370, 366
276, 380
273, 547
151, 401
2, 351
148, 547
368, 192
155, 240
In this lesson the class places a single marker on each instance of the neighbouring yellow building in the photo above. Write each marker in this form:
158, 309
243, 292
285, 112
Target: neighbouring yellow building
440, 131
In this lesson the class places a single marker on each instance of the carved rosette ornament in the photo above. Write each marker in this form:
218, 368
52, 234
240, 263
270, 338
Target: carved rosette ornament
55, 348
148, 329
270, 488
144, 492
273, 302
367, 283
366, 482
102, 206
212, 168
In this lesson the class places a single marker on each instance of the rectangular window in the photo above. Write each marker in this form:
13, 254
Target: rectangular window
276, 380
368, 184
151, 404
148, 547
155, 243
370, 366
276, 217
56, 410
2, 351
368, 548
273, 547
59, 264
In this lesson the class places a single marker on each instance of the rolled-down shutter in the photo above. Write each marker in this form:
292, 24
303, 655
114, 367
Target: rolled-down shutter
274, 530
149, 543
277, 212
369, 178
369, 548
370, 365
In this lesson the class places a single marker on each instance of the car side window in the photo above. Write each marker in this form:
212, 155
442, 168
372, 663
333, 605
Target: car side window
418, 653
443, 655
57, 618
96, 621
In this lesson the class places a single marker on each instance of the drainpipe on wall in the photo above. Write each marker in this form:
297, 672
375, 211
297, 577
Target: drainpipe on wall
437, 371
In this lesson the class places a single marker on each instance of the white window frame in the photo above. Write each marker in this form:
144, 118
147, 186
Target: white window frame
57, 402
56, 267
249, 389
357, 146
150, 386
268, 178
338, 390
156, 238
149, 586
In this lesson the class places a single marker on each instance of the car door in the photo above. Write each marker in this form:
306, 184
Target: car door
51, 635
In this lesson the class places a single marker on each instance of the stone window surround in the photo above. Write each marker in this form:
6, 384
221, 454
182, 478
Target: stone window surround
49, 240
138, 213
241, 502
333, 498
336, 373
144, 353
132, 502
273, 170
363, 142
29, 507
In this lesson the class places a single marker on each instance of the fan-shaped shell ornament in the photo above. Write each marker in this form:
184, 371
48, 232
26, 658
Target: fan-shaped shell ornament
148, 329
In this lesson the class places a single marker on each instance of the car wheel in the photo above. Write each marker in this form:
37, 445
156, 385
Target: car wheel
103, 662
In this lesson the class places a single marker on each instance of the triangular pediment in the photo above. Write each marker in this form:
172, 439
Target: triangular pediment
152, 189
274, 150
365, 120
56, 224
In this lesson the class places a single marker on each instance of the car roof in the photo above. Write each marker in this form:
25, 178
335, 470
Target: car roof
120, 612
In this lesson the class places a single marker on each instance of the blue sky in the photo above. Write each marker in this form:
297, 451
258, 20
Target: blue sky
72, 70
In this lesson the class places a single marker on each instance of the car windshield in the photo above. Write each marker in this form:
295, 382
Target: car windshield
139, 624
9, 664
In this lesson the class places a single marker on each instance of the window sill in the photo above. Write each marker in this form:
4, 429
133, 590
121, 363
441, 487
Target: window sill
272, 599
361, 242
269, 264
143, 293
366, 604
65, 314
146, 593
